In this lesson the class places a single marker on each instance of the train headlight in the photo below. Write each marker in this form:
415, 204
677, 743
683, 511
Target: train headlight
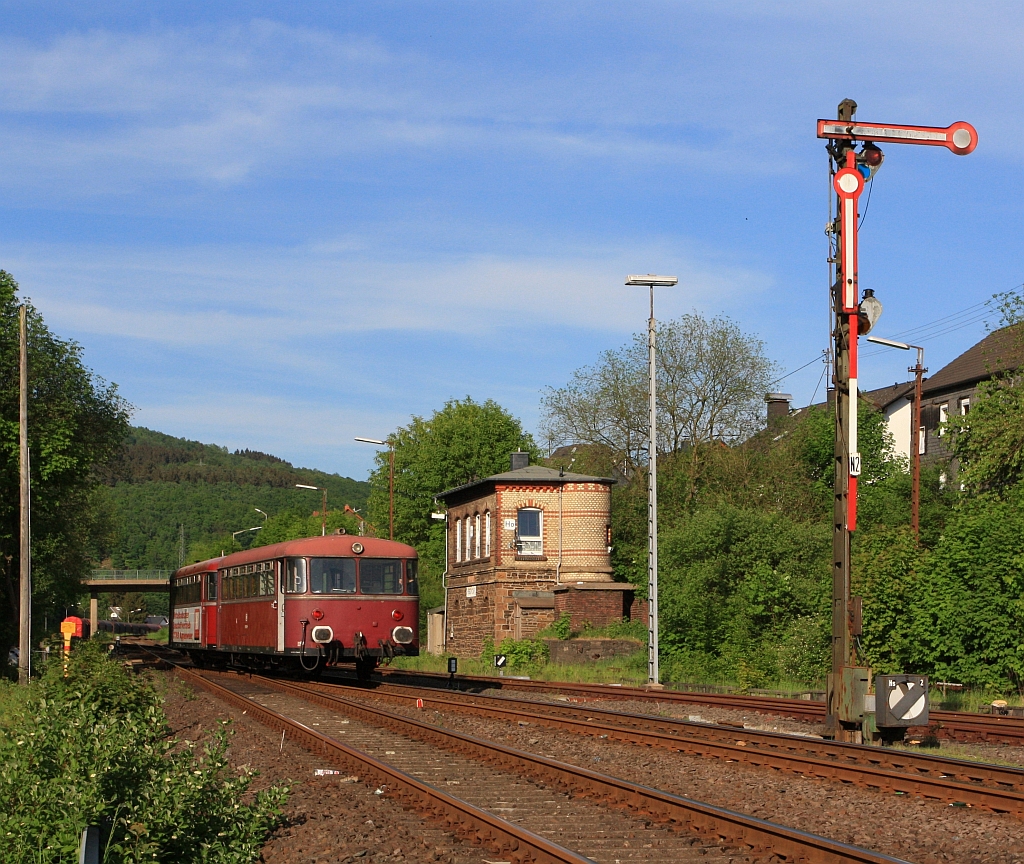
402, 635
318, 614
397, 614
323, 634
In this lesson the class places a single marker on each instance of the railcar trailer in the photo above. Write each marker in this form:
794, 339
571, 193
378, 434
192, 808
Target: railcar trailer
303, 604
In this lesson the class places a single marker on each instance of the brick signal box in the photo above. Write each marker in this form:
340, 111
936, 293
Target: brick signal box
524, 547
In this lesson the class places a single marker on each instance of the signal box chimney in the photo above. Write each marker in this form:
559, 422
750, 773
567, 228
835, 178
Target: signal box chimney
520, 460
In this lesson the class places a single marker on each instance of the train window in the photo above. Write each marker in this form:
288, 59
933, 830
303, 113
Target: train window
332, 575
380, 576
295, 576
187, 590
412, 586
266, 583
211, 586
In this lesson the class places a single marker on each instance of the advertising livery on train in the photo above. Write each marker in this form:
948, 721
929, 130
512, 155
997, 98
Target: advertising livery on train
306, 603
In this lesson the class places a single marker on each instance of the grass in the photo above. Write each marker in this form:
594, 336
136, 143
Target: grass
160, 635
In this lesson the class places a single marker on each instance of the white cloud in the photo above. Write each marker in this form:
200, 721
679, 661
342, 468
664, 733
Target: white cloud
277, 296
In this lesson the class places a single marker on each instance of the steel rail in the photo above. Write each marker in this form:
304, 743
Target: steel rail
471, 823
953, 725
716, 824
952, 781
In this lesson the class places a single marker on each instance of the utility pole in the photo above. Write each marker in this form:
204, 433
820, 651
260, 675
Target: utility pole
917, 438
391, 490
25, 554
849, 169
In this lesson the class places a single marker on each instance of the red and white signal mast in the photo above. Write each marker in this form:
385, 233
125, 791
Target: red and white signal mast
850, 169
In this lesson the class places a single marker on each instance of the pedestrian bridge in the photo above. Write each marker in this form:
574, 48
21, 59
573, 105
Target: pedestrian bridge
128, 580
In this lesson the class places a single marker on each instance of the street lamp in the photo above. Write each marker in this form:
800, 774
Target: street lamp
264, 515
323, 509
234, 534
915, 436
650, 280
391, 480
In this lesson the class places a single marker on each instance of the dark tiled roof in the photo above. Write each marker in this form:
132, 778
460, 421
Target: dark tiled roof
883, 397
530, 474
997, 352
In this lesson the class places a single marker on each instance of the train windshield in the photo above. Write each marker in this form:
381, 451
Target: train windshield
412, 586
332, 575
380, 576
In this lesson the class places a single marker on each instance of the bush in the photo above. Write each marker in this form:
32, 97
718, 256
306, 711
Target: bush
524, 655
559, 629
93, 749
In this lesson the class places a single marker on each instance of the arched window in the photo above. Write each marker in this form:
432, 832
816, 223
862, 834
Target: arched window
529, 528
476, 536
458, 540
469, 538
487, 534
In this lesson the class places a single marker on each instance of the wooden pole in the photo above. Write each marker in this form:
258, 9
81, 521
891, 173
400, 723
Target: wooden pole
391, 492
25, 554
915, 489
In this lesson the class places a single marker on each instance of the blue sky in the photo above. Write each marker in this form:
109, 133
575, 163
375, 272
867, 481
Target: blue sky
281, 225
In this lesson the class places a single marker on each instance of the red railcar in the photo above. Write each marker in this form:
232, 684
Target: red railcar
304, 603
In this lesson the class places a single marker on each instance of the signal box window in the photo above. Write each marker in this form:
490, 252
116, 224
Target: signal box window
295, 576
411, 584
332, 575
380, 576
531, 540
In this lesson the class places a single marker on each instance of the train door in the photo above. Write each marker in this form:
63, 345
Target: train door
210, 611
279, 605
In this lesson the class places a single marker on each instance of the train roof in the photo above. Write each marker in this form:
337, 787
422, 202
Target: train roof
209, 566
331, 546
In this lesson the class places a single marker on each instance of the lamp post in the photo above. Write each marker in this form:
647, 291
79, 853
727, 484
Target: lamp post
391, 480
915, 434
323, 509
262, 513
651, 281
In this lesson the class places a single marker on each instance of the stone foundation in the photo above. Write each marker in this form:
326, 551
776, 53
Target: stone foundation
575, 651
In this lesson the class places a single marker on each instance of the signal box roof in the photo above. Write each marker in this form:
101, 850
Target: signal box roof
331, 546
530, 475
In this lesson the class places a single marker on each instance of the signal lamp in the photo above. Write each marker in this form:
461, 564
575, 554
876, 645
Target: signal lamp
869, 160
397, 615
318, 614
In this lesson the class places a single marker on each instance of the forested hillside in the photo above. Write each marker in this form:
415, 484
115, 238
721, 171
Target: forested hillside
159, 483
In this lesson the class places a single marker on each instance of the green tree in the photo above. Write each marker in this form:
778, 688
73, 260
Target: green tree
464, 441
712, 378
77, 422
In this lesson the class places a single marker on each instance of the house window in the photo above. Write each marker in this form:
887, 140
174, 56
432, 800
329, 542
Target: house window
528, 529
943, 417
469, 538
476, 536
458, 540
487, 534
965, 405
922, 438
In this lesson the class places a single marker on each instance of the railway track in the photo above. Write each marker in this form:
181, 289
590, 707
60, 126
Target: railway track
522, 806
949, 725
954, 781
